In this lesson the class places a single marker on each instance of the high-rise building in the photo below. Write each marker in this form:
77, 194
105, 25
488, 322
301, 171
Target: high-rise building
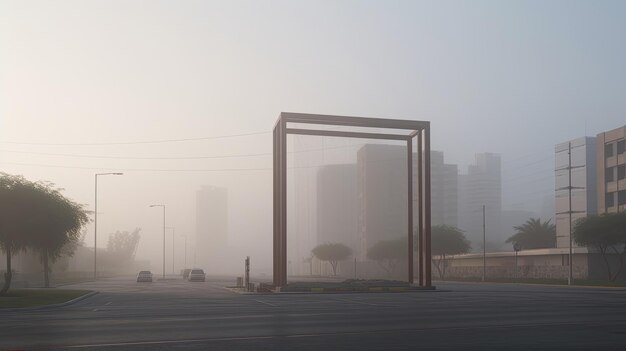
583, 183
611, 170
382, 192
211, 222
481, 186
337, 205
444, 190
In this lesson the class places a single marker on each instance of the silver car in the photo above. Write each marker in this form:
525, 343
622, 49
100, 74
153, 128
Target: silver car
196, 275
144, 276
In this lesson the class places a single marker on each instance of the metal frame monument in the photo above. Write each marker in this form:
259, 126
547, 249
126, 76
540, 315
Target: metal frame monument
410, 130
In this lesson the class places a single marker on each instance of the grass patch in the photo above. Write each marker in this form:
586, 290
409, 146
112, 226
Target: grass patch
38, 297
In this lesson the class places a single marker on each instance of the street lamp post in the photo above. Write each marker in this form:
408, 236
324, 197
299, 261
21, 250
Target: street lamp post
173, 247
185, 236
484, 248
163, 236
517, 247
95, 224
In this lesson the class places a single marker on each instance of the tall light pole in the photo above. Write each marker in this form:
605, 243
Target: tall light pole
163, 236
484, 247
95, 224
173, 251
185, 236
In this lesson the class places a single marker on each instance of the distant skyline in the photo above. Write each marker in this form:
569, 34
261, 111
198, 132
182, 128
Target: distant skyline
509, 77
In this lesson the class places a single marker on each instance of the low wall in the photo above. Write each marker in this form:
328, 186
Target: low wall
523, 272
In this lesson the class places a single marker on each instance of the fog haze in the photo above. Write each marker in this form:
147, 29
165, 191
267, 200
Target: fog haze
169, 93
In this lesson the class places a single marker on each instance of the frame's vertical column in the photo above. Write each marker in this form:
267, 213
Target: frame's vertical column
427, 212
276, 190
283, 201
420, 212
409, 162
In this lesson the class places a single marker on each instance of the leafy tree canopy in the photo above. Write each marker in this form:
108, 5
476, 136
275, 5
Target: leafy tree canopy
599, 231
388, 249
388, 253
36, 215
123, 245
333, 253
448, 240
605, 233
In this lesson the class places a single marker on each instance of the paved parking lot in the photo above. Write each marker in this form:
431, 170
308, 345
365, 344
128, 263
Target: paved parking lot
175, 314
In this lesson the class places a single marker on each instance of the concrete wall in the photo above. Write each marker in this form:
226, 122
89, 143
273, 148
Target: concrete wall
508, 272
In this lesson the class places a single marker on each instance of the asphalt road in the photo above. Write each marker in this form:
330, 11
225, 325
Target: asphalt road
179, 315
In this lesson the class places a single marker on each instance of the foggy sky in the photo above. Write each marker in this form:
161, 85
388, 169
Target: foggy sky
510, 77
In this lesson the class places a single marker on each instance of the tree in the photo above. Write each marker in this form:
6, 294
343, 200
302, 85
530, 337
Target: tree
123, 245
534, 234
36, 215
447, 240
607, 234
333, 253
16, 196
56, 223
388, 253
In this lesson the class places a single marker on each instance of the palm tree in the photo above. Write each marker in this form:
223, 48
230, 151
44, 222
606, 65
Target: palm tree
534, 234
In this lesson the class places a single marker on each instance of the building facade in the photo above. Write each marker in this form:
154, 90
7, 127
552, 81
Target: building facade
337, 205
382, 192
583, 183
481, 186
444, 190
611, 170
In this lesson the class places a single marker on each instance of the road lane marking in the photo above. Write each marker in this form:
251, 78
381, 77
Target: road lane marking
108, 303
359, 302
266, 303
317, 335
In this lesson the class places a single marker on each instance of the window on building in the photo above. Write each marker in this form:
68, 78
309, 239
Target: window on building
621, 197
608, 150
609, 175
609, 200
621, 146
621, 172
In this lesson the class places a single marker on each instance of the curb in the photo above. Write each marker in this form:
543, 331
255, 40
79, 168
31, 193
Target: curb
328, 291
56, 305
536, 284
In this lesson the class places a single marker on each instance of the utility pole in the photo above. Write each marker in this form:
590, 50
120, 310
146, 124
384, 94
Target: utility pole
484, 247
569, 188
569, 191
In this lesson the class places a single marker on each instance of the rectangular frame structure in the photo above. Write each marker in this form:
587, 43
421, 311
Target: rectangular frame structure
416, 129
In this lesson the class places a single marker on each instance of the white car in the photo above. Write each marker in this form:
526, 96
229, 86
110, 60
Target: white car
196, 275
144, 276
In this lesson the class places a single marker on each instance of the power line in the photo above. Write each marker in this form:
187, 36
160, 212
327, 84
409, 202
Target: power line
136, 142
140, 169
136, 158
172, 157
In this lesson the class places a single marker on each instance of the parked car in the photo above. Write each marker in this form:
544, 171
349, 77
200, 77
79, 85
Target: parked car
144, 276
196, 275
186, 272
